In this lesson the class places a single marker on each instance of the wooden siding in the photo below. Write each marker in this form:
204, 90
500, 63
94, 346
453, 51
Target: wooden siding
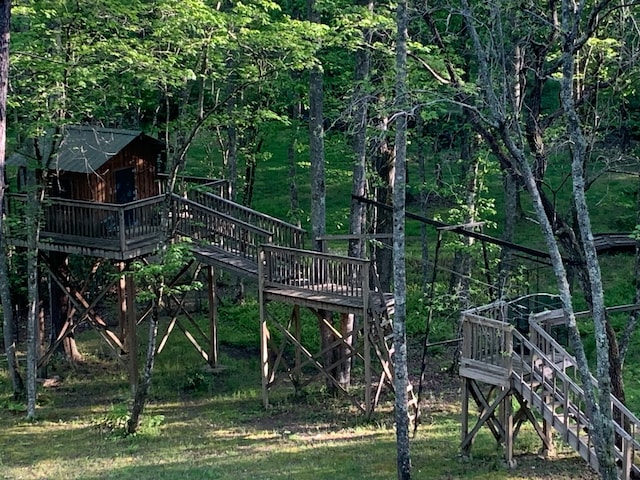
100, 186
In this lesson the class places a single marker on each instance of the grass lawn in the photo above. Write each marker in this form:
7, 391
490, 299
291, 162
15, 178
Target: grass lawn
200, 425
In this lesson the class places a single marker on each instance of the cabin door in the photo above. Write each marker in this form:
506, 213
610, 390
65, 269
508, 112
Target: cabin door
125, 185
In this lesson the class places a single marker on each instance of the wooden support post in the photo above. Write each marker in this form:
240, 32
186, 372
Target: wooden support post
213, 326
465, 416
507, 421
366, 321
128, 324
132, 337
122, 303
297, 372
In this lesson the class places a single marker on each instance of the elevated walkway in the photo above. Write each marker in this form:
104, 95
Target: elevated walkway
499, 364
270, 252
230, 237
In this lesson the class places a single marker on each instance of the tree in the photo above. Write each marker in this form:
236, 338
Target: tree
5, 293
512, 122
400, 375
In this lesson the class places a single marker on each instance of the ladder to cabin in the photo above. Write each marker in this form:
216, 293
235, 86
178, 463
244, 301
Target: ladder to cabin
381, 337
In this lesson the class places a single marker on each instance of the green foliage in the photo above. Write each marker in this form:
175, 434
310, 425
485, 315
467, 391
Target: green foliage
113, 423
154, 276
13, 406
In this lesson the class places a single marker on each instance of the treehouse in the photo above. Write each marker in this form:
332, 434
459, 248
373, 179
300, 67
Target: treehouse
102, 190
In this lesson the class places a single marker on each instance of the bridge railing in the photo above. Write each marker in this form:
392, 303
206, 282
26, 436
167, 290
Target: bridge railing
311, 271
284, 234
216, 229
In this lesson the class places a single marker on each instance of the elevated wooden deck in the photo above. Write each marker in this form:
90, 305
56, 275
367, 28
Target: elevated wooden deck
318, 280
112, 231
233, 238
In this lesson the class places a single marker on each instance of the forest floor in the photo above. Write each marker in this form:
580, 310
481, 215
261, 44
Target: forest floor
201, 425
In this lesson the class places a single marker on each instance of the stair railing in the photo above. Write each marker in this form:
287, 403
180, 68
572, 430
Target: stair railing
554, 392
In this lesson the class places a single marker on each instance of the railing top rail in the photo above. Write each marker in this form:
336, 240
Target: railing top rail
489, 322
255, 212
195, 179
88, 204
313, 253
229, 218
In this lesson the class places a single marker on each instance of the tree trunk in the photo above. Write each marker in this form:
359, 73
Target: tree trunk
291, 154
5, 292
318, 190
401, 377
510, 183
32, 215
142, 391
462, 264
384, 167
357, 217
601, 419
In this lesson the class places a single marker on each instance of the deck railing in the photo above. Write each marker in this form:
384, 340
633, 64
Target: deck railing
486, 349
284, 234
104, 225
216, 229
314, 271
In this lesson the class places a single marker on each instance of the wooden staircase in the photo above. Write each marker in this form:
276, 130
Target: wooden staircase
542, 377
381, 338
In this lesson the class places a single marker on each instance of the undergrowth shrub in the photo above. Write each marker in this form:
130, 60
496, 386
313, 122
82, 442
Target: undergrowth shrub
113, 424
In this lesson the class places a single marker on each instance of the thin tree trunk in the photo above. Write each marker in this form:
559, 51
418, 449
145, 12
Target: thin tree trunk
384, 166
291, 154
602, 419
318, 190
142, 391
401, 377
462, 259
357, 217
5, 292
510, 216
32, 215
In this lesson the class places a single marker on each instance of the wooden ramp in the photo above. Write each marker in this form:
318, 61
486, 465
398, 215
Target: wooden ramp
501, 368
268, 251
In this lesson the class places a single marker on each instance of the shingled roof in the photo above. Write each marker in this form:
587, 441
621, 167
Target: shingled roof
85, 149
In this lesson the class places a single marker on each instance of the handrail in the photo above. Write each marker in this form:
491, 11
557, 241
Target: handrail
211, 227
624, 419
543, 364
284, 233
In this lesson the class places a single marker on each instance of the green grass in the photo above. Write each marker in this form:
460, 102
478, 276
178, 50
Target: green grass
219, 430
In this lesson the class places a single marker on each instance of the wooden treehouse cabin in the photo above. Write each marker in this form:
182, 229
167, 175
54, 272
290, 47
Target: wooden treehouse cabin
102, 189
513, 355
105, 201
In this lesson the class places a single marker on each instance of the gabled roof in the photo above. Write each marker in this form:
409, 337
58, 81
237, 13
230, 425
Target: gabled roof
85, 149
